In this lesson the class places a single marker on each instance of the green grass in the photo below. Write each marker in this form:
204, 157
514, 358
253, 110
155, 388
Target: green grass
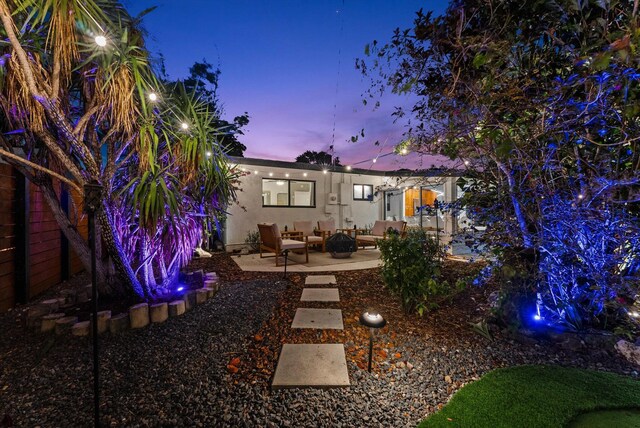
536, 396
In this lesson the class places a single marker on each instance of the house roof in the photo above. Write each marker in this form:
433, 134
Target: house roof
431, 172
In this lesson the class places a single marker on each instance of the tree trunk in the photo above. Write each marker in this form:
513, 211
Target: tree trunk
517, 207
131, 285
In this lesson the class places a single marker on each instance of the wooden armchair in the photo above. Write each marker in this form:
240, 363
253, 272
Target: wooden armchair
271, 241
308, 234
326, 228
379, 231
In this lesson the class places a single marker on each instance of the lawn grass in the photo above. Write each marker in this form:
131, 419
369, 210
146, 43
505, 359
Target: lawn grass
535, 396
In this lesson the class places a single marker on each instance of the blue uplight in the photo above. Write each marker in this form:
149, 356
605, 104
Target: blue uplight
537, 317
180, 289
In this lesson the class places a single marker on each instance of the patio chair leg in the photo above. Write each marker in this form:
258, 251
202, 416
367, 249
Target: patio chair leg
286, 258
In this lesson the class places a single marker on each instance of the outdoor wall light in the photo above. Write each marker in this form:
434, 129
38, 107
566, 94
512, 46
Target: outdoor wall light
374, 321
304, 174
287, 174
101, 41
271, 174
324, 171
255, 172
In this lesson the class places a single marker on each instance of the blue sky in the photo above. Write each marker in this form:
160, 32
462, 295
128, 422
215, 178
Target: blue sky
281, 61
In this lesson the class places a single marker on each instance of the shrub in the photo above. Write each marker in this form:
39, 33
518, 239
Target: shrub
411, 269
253, 240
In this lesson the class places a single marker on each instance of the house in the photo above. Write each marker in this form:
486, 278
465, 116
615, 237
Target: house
283, 192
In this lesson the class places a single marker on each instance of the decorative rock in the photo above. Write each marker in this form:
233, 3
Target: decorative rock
51, 305
213, 284
159, 312
189, 299
201, 295
82, 328
49, 322
64, 324
630, 351
139, 315
176, 308
104, 318
119, 323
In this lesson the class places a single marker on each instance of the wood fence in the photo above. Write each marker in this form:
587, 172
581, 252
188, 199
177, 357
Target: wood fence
34, 254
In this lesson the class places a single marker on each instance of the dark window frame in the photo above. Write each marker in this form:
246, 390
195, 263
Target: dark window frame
288, 180
369, 199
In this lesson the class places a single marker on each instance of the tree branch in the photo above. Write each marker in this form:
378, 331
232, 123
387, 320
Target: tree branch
17, 158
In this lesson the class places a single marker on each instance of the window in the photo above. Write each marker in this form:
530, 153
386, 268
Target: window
362, 192
288, 193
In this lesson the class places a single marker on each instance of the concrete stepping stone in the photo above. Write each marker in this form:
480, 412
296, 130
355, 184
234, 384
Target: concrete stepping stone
318, 318
320, 280
320, 295
311, 365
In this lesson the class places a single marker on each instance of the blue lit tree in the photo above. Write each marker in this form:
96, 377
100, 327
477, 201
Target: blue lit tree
540, 98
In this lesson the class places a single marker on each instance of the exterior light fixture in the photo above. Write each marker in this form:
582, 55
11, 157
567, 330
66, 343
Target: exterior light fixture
255, 172
153, 96
101, 41
179, 288
280, 183
184, 126
634, 314
467, 163
287, 174
324, 171
348, 167
304, 174
271, 174
580, 196
374, 321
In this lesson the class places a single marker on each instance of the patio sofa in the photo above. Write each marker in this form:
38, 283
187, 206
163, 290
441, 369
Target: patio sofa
379, 231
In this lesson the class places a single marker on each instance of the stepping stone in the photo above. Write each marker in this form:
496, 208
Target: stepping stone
318, 318
320, 295
320, 280
311, 365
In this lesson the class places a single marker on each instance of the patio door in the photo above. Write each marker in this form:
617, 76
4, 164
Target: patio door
393, 204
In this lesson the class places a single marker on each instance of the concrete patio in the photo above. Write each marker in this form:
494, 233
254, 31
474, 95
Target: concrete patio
318, 262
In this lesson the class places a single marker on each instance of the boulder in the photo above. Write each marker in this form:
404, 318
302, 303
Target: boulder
139, 315
176, 308
82, 328
630, 351
159, 312
119, 323
64, 324
49, 322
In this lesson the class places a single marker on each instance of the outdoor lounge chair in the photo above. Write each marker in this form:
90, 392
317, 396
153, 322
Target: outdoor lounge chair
326, 228
379, 231
271, 241
308, 233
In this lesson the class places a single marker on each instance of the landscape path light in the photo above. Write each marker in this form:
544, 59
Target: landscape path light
374, 321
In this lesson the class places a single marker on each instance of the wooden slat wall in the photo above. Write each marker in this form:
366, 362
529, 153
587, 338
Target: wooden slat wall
45, 239
80, 220
44, 247
7, 236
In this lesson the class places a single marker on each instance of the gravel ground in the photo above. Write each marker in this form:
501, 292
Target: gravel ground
176, 374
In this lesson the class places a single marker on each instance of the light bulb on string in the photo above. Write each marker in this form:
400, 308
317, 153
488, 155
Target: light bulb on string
101, 41
153, 96
184, 126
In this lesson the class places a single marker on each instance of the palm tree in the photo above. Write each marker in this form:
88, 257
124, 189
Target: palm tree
81, 103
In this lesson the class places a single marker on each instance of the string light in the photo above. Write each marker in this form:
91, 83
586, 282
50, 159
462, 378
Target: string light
153, 96
348, 167
403, 151
101, 41
271, 174
209, 155
375, 160
184, 125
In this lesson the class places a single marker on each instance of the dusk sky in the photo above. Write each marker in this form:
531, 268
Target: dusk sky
281, 61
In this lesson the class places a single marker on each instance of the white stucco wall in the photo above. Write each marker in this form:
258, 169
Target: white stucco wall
346, 214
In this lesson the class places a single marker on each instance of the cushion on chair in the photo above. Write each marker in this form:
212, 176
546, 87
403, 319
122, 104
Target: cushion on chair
303, 226
270, 234
379, 228
329, 225
395, 225
314, 239
368, 238
291, 244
